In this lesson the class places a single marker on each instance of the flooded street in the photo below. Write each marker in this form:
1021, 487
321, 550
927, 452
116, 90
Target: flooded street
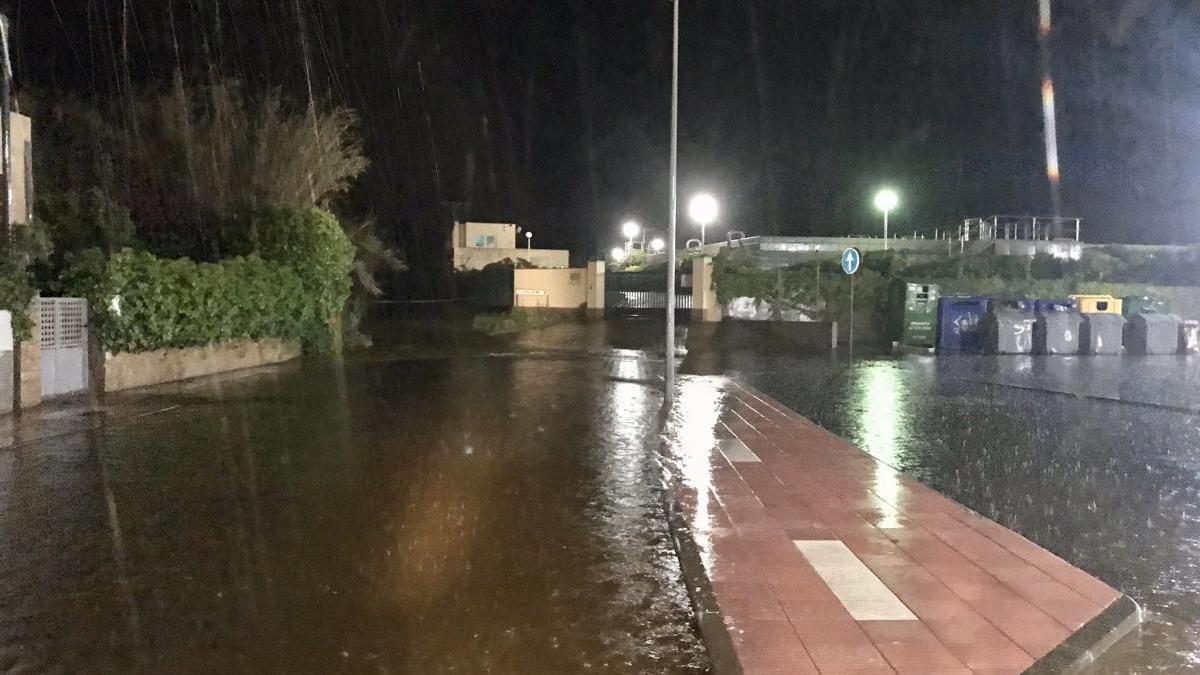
452, 503
400, 513
1039, 445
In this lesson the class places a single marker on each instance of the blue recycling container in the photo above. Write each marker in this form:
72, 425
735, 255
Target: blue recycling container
1041, 306
1023, 305
958, 324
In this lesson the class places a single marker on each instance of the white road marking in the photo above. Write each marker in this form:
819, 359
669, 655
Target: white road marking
736, 451
860, 591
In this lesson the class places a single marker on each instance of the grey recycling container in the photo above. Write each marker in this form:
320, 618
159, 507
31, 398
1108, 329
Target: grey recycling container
1057, 332
1149, 334
1101, 334
1189, 337
1008, 331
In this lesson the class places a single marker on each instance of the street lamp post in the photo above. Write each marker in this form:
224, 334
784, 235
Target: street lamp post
669, 342
886, 200
528, 241
703, 209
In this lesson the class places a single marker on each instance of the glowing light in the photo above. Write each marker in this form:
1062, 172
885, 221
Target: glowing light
1052, 170
1044, 12
657, 245
703, 209
887, 200
529, 235
617, 254
631, 229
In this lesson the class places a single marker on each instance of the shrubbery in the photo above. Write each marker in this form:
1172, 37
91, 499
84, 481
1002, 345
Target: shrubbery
821, 289
292, 287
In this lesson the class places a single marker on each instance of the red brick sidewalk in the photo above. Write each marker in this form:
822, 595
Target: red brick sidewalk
824, 560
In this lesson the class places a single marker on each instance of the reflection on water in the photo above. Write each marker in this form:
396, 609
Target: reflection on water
883, 408
468, 515
692, 458
1112, 487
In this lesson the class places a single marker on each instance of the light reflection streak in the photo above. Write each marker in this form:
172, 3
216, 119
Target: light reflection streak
698, 410
879, 425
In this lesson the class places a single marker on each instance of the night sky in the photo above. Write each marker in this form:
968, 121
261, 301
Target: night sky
554, 114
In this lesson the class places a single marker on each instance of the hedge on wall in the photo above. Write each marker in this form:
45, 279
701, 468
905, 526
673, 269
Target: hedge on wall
294, 290
822, 290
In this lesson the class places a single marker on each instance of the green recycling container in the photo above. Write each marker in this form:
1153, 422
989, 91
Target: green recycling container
1144, 304
921, 315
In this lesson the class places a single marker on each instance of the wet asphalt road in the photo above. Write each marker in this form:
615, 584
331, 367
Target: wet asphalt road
447, 503
1096, 459
402, 512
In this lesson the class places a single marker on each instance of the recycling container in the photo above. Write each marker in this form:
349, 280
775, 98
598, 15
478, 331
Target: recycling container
1057, 332
1189, 337
920, 315
958, 324
1101, 334
1144, 304
1042, 306
1150, 334
1098, 304
1007, 330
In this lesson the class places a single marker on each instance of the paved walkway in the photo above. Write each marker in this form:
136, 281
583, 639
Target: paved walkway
824, 560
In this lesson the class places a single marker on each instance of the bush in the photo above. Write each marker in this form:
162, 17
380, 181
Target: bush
294, 290
312, 243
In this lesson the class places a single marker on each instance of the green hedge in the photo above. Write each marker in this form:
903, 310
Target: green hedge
293, 290
820, 287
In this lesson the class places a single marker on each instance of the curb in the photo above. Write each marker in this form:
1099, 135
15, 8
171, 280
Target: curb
709, 619
1086, 645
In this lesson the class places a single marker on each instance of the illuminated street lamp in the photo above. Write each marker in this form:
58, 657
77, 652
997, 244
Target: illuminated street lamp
886, 200
703, 210
528, 240
658, 245
618, 255
631, 230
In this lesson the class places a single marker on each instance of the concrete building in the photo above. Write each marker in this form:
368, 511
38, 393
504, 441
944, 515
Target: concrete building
477, 245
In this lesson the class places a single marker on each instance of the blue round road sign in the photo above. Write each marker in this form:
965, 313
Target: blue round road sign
851, 261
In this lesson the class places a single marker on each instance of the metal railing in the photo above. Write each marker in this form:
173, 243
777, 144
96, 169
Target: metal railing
1028, 228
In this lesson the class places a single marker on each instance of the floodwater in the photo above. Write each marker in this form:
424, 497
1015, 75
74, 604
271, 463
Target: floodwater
442, 503
1096, 459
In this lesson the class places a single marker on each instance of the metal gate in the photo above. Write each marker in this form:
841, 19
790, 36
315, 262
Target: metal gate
632, 294
64, 345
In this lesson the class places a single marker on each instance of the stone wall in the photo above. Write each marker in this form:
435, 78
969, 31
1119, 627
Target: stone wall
125, 371
550, 289
28, 357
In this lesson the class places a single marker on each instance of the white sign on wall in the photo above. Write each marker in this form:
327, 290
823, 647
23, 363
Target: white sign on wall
522, 291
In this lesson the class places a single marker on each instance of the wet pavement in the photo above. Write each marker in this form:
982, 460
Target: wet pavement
443, 503
1033, 443
448, 502
822, 559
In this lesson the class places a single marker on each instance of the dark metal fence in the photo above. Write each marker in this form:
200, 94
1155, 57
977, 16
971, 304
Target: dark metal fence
645, 293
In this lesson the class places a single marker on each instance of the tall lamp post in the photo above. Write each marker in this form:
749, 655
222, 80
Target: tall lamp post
703, 210
528, 240
669, 360
886, 200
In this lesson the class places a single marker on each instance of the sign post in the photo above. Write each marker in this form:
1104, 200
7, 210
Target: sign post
851, 261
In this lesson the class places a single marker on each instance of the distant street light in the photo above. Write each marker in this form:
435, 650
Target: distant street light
703, 209
618, 255
886, 200
528, 241
631, 230
658, 245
